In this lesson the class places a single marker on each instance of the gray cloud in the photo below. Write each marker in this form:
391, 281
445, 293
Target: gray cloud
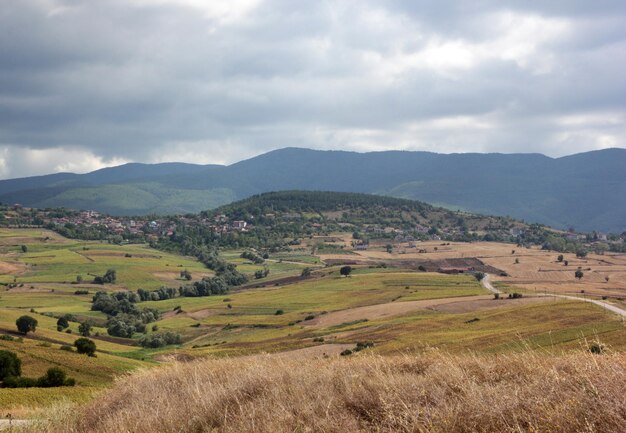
85, 84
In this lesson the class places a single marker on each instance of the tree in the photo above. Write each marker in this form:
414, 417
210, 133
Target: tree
306, 272
581, 254
84, 329
10, 364
86, 346
479, 276
26, 324
345, 270
389, 248
24, 249
62, 323
578, 274
186, 275
559, 258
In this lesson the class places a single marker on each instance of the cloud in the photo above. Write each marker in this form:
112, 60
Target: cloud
98, 83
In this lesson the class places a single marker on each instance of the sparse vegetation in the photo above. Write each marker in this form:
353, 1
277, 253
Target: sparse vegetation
430, 392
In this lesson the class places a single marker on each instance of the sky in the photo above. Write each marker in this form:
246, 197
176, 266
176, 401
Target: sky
89, 84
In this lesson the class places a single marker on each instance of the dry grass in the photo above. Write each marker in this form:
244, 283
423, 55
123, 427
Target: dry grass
434, 392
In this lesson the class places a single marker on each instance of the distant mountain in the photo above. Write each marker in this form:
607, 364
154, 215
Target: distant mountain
586, 191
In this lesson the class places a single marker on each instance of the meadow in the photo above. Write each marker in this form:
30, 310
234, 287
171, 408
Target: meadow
390, 308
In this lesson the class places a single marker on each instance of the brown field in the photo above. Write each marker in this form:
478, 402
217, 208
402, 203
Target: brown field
432, 392
391, 309
12, 268
537, 269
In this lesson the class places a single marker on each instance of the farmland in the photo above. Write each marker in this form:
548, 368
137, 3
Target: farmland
386, 301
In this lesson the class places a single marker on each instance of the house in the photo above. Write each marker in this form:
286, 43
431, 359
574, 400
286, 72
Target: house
516, 231
361, 246
239, 225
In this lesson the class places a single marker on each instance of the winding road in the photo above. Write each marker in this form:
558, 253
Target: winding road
486, 283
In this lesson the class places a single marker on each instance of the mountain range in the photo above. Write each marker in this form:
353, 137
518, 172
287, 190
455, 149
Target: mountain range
586, 191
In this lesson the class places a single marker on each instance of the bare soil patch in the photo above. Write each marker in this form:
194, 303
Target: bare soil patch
12, 268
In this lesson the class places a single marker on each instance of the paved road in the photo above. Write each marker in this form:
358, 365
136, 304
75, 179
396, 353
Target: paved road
614, 309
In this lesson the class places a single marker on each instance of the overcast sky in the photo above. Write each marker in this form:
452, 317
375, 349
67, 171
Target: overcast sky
88, 84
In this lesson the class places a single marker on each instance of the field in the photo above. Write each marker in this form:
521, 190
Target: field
432, 392
386, 305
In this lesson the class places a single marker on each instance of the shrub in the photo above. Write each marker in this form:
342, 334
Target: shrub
62, 323
363, 345
84, 329
310, 317
18, 382
160, 340
596, 348
279, 312
86, 346
306, 272
10, 364
66, 348
346, 352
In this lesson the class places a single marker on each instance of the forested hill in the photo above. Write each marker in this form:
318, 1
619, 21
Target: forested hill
318, 201
315, 211
586, 191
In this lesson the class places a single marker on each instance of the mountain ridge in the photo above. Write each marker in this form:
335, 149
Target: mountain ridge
586, 190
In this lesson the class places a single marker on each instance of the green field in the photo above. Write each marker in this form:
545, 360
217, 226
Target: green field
270, 314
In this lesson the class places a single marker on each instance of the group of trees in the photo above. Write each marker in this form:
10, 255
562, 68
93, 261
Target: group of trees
11, 374
253, 257
124, 317
160, 339
208, 286
109, 277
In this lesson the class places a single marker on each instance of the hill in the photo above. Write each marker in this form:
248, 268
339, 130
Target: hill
586, 191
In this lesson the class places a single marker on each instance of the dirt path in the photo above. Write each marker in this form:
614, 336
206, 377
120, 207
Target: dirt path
486, 282
612, 308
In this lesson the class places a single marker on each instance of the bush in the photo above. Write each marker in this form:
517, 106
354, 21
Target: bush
345, 270
84, 329
62, 323
66, 348
346, 352
306, 272
26, 324
310, 317
279, 312
159, 340
54, 377
10, 364
86, 346
596, 348
18, 382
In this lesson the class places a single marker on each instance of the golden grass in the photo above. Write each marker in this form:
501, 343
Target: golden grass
431, 392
